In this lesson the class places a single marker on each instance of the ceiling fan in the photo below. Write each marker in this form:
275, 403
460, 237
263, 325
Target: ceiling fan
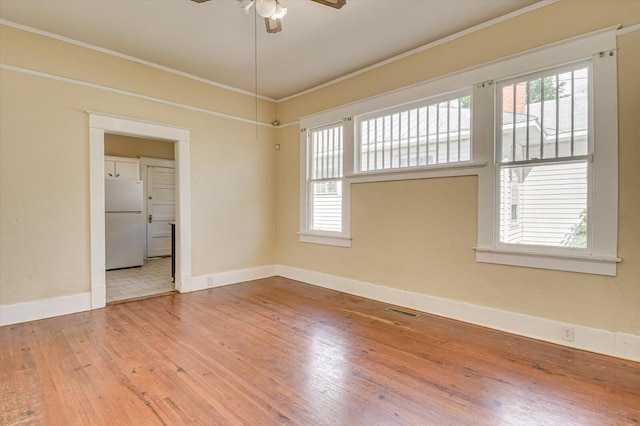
273, 12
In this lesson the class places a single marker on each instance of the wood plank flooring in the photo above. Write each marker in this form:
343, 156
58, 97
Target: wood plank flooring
277, 351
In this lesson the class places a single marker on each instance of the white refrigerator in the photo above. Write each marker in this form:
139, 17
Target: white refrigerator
124, 223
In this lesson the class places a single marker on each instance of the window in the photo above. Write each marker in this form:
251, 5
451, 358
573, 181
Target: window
538, 129
426, 133
325, 179
543, 149
323, 187
549, 200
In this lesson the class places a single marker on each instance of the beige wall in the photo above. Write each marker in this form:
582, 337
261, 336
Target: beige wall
418, 235
420, 238
126, 146
44, 165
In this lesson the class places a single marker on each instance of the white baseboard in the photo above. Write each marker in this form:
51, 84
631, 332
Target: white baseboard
46, 308
64, 305
218, 279
621, 345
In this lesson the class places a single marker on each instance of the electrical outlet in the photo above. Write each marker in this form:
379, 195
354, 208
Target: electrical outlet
210, 283
566, 333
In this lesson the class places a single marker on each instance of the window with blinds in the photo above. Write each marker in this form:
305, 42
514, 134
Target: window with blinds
324, 182
543, 158
425, 134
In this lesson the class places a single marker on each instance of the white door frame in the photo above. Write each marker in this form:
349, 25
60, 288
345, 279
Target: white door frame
99, 124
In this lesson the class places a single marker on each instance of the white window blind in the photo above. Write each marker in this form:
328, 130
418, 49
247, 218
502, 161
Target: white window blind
543, 158
424, 134
325, 172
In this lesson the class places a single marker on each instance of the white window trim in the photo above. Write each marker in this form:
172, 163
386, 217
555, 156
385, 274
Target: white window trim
306, 235
463, 168
430, 100
569, 252
601, 257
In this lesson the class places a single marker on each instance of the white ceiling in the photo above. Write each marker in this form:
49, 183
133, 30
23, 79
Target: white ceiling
215, 40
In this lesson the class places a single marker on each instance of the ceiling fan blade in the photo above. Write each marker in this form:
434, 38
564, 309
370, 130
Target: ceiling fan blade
199, 1
337, 4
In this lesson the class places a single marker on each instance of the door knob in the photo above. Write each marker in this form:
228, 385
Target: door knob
150, 218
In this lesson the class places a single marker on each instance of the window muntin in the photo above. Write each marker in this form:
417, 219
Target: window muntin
324, 182
425, 134
543, 159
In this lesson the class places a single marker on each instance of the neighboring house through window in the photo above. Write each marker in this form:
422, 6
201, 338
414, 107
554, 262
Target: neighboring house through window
425, 133
543, 157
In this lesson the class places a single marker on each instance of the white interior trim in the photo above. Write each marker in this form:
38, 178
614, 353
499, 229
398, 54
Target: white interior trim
629, 29
218, 279
396, 58
547, 56
128, 58
621, 345
64, 305
479, 81
131, 94
428, 46
459, 79
535, 6
157, 162
306, 235
556, 261
340, 240
467, 168
601, 258
44, 308
99, 124
620, 31
617, 344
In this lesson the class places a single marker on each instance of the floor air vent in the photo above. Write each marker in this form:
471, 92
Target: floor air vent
401, 312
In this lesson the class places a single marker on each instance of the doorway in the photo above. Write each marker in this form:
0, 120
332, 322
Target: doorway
143, 172
103, 123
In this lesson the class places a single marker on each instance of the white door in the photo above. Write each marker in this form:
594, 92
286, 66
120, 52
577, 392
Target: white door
160, 210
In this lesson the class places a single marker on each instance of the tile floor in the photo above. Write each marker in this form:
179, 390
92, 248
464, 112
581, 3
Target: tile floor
152, 278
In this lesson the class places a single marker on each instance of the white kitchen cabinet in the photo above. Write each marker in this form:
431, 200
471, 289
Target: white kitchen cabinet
121, 168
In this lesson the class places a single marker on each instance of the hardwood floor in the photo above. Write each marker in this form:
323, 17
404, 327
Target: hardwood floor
277, 351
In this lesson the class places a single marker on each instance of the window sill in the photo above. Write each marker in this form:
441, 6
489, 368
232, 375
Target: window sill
598, 265
468, 168
329, 240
